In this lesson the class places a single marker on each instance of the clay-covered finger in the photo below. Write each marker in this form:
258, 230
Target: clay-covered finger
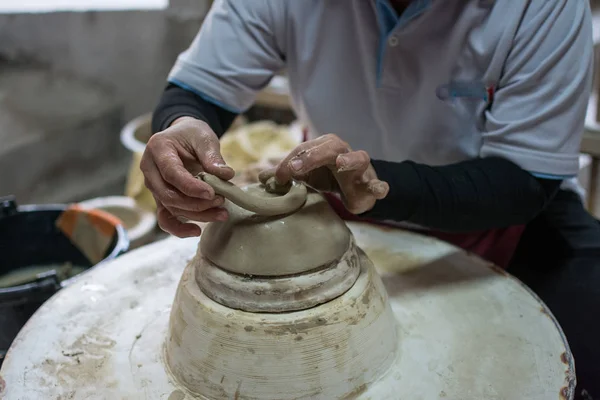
265, 177
285, 170
171, 168
213, 163
208, 151
170, 224
169, 196
153, 180
266, 174
353, 161
210, 215
323, 154
351, 171
379, 189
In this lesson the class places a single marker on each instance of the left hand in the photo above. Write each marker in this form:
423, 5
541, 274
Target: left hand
328, 164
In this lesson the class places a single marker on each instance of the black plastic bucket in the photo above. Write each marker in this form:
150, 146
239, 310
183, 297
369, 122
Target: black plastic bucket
29, 236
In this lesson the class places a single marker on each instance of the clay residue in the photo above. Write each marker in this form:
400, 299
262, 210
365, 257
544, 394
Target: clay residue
495, 268
238, 392
86, 359
544, 311
177, 395
178, 324
564, 393
390, 261
356, 392
367, 297
300, 327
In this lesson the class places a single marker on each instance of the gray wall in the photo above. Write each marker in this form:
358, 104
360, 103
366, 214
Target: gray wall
128, 51
59, 126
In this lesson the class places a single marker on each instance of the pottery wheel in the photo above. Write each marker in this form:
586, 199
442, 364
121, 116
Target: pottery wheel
468, 331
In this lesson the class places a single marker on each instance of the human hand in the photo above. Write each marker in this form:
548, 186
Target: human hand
170, 162
328, 164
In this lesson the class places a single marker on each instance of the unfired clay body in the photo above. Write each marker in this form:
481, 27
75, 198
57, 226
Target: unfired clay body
292, 243
274, 302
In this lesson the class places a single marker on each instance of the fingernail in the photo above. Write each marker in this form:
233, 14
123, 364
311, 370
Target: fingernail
377, 188
206, 196
296, 164
217, 202
222, 216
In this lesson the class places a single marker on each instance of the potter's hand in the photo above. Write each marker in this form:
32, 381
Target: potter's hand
328, 164
171, 160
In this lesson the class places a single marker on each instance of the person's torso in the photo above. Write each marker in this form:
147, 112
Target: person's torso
418, 92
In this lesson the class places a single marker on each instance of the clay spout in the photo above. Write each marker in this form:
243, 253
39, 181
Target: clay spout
288, 202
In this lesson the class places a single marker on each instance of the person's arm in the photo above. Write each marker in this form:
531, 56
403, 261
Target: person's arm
239, 48
472, 195
236, 52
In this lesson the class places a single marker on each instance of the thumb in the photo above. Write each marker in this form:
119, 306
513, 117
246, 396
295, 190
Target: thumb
208, 152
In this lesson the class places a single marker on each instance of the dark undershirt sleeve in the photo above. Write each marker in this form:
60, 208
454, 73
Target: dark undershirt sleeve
472, 195
176, 102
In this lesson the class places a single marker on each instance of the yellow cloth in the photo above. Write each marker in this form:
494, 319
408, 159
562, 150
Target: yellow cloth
135, 187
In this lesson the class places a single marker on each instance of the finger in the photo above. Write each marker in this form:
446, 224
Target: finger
379, 189
171, 168
211, 215
359, 198
266, 174
321, 152
208, 151
170, 224
353, 161
364, 178
350, 172
169, 196
283, 172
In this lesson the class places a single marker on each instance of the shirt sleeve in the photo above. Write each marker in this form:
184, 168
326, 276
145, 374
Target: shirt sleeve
235, 54
537, 116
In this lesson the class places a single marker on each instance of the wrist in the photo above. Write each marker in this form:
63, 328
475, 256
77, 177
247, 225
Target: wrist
192, 123
405, 190
187, 120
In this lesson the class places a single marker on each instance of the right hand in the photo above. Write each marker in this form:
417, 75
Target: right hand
170, 162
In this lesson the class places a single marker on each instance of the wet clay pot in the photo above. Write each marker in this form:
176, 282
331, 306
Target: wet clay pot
279, 307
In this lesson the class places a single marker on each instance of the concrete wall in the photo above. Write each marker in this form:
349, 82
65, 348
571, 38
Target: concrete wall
59, 126
129, 51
